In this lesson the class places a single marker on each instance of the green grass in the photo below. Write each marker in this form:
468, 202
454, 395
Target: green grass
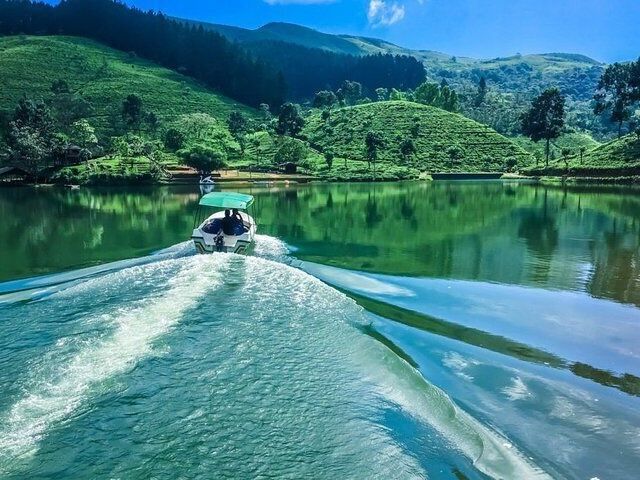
103, 76
573, 141
480, 149
618, 158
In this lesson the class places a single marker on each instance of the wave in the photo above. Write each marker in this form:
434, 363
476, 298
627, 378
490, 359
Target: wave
57, 398
39, 287
273, 338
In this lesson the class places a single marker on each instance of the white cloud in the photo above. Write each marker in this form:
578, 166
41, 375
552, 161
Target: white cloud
383, 13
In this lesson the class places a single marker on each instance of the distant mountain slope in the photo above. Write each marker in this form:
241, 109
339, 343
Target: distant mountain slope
286, 32
444, 141
576, 74
103, 76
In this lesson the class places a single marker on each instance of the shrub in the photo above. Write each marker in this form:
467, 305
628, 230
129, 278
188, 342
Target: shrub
174, 139
202, 158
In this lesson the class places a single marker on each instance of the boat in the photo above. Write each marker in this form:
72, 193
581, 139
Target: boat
206, 180
208, 236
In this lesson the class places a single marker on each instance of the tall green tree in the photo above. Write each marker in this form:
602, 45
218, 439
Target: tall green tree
407, 148
482, 92
617, 92
545, 118
441, 96
66, 107
290, 150
238, 127
290, 122
132, 111
372, 142
325, 99
350, 92
31, 141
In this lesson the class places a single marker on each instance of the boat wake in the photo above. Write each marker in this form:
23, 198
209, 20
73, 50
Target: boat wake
269, 372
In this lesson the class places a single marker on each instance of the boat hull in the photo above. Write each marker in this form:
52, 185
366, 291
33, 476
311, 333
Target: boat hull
207, 242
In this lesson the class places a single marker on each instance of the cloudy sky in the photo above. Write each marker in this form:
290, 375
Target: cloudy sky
608, 30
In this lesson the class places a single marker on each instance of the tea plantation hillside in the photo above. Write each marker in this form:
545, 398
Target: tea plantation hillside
102, 76
443, 141
573, 141
617, 158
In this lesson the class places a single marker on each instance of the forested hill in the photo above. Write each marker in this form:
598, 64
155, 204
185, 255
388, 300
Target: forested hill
576, 74
202, 54
308, 70
512, 81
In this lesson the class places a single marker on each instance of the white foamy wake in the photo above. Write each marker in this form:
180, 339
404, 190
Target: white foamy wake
42, 286
54, 399
491, 453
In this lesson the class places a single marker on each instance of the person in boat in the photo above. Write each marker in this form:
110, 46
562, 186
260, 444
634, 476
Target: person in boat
239, 226
228, 223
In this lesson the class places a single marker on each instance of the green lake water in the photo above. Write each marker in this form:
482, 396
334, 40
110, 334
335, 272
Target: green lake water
444, 330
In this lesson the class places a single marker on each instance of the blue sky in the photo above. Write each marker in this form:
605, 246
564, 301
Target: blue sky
608, 30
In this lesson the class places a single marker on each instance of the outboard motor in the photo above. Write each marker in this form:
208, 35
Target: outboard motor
220, 243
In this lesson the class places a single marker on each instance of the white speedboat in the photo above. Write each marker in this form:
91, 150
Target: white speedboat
219, 234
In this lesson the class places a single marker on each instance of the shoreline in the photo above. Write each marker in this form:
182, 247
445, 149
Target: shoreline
241, 178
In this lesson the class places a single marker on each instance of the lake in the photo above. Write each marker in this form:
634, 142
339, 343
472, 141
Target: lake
442, 330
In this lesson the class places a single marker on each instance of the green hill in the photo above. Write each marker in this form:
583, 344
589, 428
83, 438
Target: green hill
103, 76
617, 158
575, 74
444, 141
512, 81
573, 141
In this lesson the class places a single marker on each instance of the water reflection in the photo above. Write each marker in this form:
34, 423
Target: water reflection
584, 239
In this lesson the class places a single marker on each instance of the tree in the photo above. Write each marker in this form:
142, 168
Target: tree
265, 112
373, 141
427, 94
545, 118
173, 139
201, 158
616, 93
396, 95
328, 157
448, 99
582, 150
566, 152
290, 122
407, 148
132, 111
66, 107
31, 142
441, 96
290, 151
60, 86
382, 94
482, 92
83, 134
455, 153
325, 99
237, 124
351, 91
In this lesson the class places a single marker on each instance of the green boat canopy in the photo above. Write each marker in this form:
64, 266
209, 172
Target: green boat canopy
227, 200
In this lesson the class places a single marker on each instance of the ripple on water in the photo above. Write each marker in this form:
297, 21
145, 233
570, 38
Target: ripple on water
266, 375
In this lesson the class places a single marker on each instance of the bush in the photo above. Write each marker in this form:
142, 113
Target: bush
291, 151
173, 139
202, 158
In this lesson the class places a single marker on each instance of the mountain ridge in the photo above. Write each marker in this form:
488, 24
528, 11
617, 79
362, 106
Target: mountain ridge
355, 44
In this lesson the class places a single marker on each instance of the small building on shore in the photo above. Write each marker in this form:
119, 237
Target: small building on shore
11, 175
